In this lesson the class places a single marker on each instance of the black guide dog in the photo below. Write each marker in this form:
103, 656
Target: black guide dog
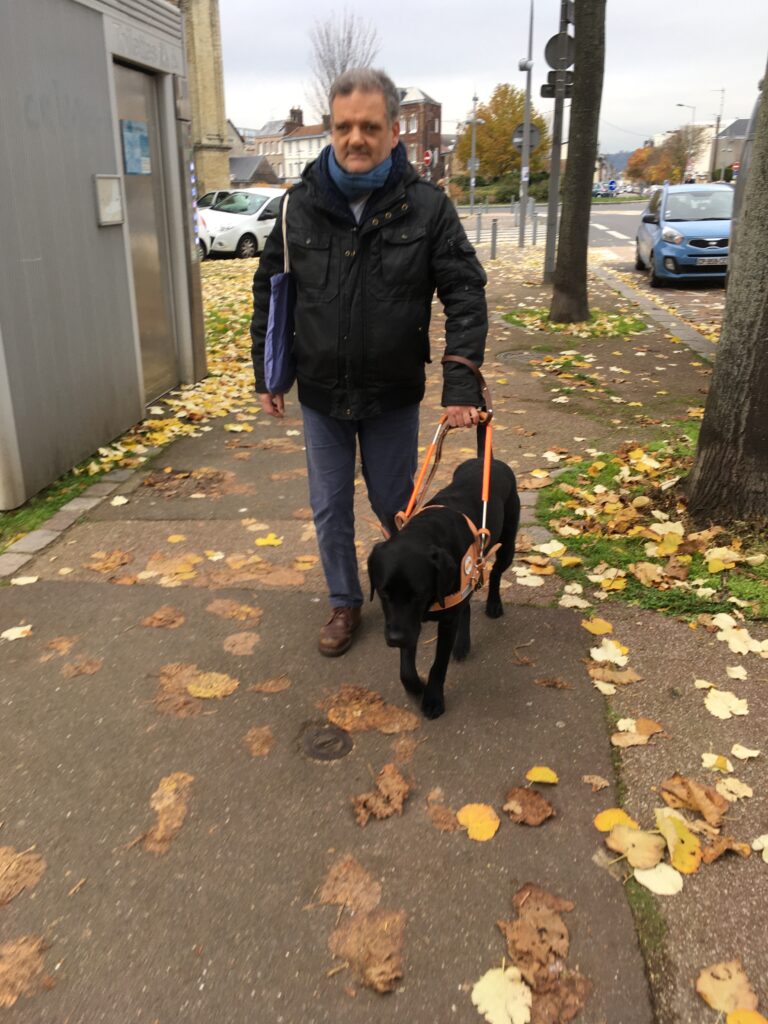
421, 565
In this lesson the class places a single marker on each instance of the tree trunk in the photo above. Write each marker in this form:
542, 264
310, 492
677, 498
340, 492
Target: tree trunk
729, 480
570, 303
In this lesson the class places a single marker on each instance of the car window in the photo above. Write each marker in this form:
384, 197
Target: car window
272, 209
240, 202
653, 205
206, 200
699, 205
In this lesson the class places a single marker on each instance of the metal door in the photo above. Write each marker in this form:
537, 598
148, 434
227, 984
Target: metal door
144, 195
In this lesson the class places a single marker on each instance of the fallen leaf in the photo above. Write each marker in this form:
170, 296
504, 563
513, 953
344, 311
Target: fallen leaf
598, 626
553, 684
720, 845
662, 880
372, 944
718, 762
725, 987
441, 816
760, 845
108, 562
597, 782
270, 541
58, 647
680, 791
736, 672
241, 644
259, 740
16, 633
176, 538
81, 666
172, 697
743, 753
745, 1017
21, 969
610, 675
356, 709
684, 847
606, 820
166, 617
276, 685
724, 704
647, 726
23, 581
349, 885
609, 651
733, 790
502, 997
628, 739
527, 807
169, 802
18, 871
227, 609
541, 773
211, 685
387, 799
480, 821
118, 500
642, 849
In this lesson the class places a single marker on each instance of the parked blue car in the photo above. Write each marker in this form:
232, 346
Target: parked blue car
685, 233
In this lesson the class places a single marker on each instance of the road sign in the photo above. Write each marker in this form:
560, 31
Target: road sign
518, 136
552, 77
736, 165
552, 51
612, 185
548, 92
473, 165
427, 157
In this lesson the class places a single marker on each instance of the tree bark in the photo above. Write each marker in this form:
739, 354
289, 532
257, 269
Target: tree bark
729, 480
570, 302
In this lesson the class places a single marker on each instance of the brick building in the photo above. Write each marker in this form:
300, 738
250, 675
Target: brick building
420, 126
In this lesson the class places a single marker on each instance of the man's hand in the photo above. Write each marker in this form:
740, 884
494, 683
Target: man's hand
272, 405
462, 415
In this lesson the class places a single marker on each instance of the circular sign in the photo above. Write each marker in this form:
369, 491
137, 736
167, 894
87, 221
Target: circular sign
553, 49
518, 135
736, 165
612, 186
427, 157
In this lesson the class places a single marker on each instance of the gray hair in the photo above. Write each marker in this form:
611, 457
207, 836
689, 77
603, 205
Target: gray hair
368, 80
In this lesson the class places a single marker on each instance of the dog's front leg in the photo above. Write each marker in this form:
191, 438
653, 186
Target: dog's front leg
409, 677
433, 704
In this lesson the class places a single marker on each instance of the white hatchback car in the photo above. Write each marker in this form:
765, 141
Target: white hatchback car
241, 221
203, 234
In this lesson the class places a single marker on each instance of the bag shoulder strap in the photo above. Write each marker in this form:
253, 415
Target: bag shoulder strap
286, 258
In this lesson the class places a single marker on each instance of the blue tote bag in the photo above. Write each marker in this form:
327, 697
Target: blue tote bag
279, 358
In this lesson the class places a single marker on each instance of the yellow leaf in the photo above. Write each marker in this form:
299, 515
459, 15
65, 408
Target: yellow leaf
540, 773
570, 560
270, 541
684, 846
615, 584
480, 821
539, 474
606, 820
212, 684
745, 1017
176, 538
717, 565
597, 626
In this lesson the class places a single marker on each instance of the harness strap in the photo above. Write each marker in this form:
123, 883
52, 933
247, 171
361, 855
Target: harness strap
485, 391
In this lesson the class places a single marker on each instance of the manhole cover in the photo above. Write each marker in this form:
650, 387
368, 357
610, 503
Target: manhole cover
324, 742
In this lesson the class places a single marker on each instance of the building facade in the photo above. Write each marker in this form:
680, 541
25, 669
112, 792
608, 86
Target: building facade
302, 145
267, 141
420, 128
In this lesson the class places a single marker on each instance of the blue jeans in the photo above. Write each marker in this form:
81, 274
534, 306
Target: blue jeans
388, 451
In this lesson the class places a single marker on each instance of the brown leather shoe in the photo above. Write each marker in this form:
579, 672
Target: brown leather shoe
336, 634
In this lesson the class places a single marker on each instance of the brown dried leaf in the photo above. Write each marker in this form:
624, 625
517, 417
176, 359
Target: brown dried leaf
172, 697
58, 647
647, 727
107, 562
563, 1002
18, 871
169, 802
555, 684
538, 944
241, 644
441, 816
166, 617
628, 739
679, 791
387, 799
403, 748
259, 740
359, 710
81, 666
532, 483
276, 685
349, 885
211, 685
726, 987
21, 969
228, 609
721, 845
621, 677
643, 850
527, 806
597, 782
372, 944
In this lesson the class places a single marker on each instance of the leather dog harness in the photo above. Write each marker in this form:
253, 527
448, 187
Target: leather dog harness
474, 560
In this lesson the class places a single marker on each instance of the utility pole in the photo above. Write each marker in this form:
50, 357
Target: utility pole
526, 64
473, 160
717, 133
553, 196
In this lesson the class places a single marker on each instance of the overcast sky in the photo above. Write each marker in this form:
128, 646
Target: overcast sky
658, 53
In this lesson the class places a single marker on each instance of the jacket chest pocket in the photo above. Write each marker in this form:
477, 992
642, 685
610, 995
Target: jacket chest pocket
403, 259
310, 257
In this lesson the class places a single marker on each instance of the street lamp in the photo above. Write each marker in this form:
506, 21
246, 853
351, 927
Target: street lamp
475, 121
689, 158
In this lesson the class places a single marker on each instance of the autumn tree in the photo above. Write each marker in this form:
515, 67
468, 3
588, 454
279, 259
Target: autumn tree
339, 42
681, 149
729, 479
502, 114
570, 302
637, 164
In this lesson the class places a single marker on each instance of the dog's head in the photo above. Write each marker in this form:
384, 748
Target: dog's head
408, 580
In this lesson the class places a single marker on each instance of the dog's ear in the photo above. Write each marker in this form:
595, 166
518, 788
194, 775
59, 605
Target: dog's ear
445, 573
373, 560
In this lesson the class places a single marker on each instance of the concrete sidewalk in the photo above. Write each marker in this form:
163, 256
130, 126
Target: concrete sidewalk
226, 924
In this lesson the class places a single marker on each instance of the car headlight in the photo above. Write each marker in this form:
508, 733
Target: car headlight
670, 235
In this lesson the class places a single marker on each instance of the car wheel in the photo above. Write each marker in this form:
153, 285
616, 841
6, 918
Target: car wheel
639, 265
247, 247
653, 279
202, 250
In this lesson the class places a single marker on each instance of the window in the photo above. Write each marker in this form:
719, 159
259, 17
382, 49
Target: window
436, 129
271, 209
414, 123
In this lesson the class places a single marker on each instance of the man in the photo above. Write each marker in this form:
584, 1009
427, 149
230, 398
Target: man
369, 242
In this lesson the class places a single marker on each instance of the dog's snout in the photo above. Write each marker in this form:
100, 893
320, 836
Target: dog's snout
395, 638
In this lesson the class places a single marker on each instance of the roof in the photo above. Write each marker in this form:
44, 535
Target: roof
308, 131
244, 168
410, 94
736, 130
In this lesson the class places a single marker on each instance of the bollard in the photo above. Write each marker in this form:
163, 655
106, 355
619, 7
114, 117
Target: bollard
479, 228
486, 204
535, 222
494, 227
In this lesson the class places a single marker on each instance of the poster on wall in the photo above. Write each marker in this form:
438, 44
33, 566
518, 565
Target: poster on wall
135, 135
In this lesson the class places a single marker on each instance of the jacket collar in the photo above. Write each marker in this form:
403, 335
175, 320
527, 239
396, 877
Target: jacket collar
324, 192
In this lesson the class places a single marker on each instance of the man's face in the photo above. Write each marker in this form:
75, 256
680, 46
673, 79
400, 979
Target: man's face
361, 133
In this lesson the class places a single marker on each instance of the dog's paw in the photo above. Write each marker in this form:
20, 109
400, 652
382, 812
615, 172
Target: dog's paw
414, 685
494, 609
432, 705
